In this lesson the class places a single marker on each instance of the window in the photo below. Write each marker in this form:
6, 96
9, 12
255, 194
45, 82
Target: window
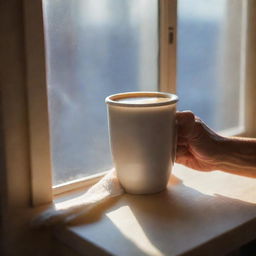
211, 41
84, 53
94, 49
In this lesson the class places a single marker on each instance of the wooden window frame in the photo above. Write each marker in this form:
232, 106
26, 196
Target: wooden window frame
40, 157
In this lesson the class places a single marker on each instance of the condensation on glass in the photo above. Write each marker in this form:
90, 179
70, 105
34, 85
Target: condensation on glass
94, 49
210, 43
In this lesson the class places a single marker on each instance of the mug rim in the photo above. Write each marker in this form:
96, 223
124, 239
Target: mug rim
112, 99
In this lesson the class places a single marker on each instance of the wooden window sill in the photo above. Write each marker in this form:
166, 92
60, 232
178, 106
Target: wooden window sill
199, 214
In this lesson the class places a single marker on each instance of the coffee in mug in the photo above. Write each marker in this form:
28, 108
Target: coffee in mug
142, 130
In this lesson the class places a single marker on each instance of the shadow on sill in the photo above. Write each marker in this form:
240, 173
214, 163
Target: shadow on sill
246, 250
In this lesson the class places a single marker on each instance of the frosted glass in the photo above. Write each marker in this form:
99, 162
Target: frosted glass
94, 49
209, 60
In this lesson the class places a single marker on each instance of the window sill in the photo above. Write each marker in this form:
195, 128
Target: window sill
199, 214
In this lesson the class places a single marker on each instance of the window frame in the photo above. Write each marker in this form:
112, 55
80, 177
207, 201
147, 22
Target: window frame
38, 115
249, 70
41, 178
40, 157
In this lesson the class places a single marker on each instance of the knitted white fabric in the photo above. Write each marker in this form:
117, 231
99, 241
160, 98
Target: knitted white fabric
69, 210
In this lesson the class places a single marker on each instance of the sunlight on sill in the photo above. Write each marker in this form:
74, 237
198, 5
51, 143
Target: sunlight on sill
217, 183
122, 218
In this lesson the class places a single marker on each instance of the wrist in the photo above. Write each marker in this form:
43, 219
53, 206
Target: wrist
222, 152
237, 155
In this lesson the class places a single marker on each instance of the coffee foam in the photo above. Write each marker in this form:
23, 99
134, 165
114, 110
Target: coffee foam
142, 100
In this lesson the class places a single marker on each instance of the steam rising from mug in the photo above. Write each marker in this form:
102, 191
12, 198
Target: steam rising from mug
142, 131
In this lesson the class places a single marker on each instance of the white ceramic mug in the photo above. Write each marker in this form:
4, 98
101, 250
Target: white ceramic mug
142, 130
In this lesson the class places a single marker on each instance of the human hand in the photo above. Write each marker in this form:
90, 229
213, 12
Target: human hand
198, 147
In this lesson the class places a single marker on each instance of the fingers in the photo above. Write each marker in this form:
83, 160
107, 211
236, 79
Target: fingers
181, 151
186, 123
182, 155
182, 141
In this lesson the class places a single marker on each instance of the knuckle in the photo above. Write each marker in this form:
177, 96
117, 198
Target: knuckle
185, 116
198, 123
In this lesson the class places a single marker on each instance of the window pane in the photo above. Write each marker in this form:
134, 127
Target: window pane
94, 48
209, 60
